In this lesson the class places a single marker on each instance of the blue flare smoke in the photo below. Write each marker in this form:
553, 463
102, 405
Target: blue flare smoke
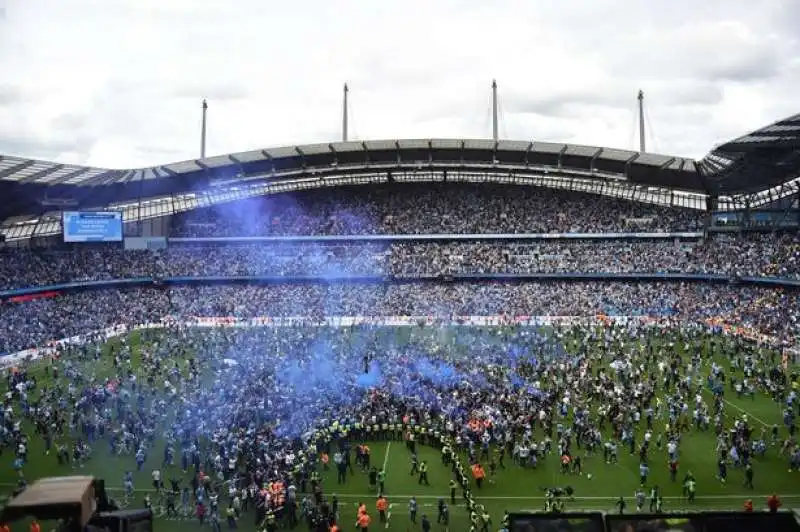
372, 378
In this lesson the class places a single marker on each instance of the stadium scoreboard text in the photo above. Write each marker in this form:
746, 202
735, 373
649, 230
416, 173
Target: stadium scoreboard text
92, 226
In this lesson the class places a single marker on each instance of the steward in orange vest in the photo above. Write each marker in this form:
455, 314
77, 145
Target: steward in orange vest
382, 505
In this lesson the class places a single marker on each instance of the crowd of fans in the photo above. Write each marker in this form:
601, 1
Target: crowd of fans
760, 256
426, 209
766, 255
36, 322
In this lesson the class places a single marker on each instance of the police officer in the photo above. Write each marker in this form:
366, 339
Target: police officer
423, 473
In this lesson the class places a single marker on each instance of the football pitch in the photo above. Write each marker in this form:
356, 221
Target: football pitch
513, 488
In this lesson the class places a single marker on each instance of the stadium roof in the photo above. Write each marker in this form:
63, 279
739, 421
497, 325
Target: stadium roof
765, 158
784, 133
757, 163
677, 171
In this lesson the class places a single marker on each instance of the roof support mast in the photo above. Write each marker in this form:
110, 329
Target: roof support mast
203, 131
344, 113
494, 110
640, 97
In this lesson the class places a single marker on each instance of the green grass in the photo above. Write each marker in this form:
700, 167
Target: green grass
513, 488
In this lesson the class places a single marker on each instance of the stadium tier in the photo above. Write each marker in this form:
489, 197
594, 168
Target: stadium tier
408, 335
426, 209
756, 256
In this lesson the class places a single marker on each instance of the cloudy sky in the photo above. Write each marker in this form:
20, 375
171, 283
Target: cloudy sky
119, 83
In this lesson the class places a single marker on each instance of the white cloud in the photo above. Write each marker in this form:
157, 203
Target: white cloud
118, 83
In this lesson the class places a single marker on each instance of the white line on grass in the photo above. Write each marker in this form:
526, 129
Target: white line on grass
740, 409
386, 455
745, 412
385, 462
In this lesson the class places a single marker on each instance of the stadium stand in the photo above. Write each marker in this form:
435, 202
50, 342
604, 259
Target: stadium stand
754, 256
429, 209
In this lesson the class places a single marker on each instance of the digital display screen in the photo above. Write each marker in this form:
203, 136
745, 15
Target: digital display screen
92, 226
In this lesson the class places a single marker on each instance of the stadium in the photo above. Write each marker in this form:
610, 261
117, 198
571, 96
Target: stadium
471, 328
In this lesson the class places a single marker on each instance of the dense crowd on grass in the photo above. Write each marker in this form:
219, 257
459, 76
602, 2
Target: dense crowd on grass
241, 430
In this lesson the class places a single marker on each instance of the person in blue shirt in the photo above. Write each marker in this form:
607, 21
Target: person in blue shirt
140, 459
17, 465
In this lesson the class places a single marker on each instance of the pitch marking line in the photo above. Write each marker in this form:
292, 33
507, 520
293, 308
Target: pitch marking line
386, 455
385, 463
740, 409
745, 412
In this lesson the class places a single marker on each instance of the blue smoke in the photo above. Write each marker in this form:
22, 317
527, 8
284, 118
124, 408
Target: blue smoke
437, 372
373, 378
294, 379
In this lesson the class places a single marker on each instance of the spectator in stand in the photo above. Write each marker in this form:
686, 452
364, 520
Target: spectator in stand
759, 256
429, 209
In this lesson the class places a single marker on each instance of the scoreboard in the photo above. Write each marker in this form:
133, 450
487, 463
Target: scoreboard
92, 226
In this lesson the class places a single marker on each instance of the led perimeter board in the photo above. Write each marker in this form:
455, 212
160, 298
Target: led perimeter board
92, 226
